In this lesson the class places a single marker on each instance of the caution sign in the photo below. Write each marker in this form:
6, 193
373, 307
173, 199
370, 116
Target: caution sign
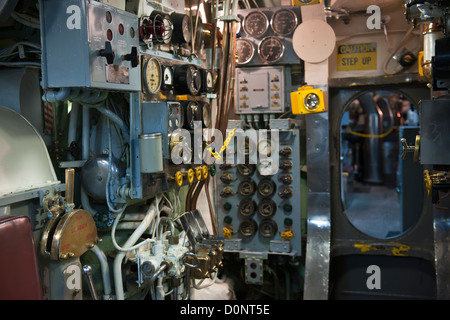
356, 57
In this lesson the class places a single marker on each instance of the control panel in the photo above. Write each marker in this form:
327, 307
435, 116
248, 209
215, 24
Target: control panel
258, 204
260, 90
89, 44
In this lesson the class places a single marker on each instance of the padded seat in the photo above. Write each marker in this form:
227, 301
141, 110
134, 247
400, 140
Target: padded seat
19, 270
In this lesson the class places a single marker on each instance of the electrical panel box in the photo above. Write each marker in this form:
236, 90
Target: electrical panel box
260, 90
259, 211
89, 44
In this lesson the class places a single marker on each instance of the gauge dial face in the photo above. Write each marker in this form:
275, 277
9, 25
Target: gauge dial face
187, 31
209, 81
193, 113
194, 80
168, 76
266, 167
283, 21
206, 115
265, 147
245, 51
256, 24
271, 49
153, 75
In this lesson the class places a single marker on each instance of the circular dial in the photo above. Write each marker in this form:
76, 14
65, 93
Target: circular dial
267, 207
248, 228
266, 187
283, 21
247, 188
256, 24
187, 79
206, 115
271, 49
265, 147
268, 228
210, 81
245, 51
193, 113
152, 75
266, 167
247, 207
246, 169
182, 29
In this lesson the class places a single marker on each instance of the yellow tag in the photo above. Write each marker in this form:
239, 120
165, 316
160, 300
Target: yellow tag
357, 56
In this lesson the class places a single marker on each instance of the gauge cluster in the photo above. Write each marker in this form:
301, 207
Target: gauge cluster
266, 36
258, 205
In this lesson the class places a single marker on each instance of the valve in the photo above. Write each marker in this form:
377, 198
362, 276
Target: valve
226, 192
226, 178
286, 165
286, 152
287, 235
411, 149
226, 233
190, 175
286, 193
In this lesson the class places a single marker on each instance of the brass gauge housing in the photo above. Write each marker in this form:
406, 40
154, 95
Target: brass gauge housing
256, 24
152, 75
283, 21
245, 51
271, 49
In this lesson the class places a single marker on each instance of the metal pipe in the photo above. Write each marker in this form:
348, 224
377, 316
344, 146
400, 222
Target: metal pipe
105, 271
128, 244
71, 136
85, 134
372, 146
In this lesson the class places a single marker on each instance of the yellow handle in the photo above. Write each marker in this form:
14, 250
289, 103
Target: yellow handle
179, 178
190, 175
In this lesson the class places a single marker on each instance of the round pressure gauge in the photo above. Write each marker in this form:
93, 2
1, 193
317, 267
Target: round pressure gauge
265, 147
187, 79
152, 75
207, 81
193, 113
256, 24
206, 115
283, 21
271, 49
182, 29
266, 167
245, 51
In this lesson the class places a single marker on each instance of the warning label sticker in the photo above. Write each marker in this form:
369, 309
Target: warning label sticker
356, 57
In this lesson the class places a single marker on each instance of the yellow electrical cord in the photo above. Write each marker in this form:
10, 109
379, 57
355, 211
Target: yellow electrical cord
374, 136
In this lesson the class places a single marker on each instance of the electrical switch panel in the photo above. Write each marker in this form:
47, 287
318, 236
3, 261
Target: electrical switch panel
89, 44
259, 209
260, 90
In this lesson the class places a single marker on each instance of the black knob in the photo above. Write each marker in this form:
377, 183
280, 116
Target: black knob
133, 57
286, 179
285, 193
285, 152
226, 178
108, 53
286, 165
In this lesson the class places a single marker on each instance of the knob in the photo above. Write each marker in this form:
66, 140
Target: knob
285, 193
285, 152
286, 165
108, 53
133, 57
226, 192
286, 179
226, 178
